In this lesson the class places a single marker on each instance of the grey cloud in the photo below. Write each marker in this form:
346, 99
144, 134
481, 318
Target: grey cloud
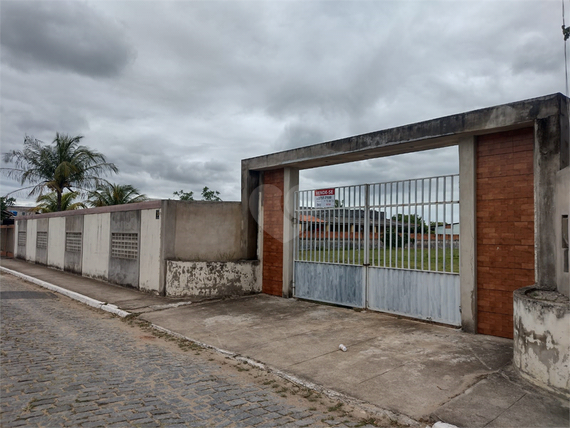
60, 35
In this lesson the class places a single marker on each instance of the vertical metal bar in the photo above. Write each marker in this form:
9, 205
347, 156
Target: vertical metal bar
444, 219
430, 217
436, 223
385, 221
343, 222
310, 218
295, 227
423, 222
451, 248
366, 224
415, 224
373, 212
391, 225
409, 218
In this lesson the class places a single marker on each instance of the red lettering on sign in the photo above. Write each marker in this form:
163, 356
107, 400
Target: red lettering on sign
324, 192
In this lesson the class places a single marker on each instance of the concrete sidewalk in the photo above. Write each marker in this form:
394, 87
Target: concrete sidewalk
398, 368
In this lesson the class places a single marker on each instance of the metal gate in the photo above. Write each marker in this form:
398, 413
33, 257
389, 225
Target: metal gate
391, 247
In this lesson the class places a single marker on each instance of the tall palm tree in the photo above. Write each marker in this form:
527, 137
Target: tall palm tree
114, 194
63, 164
47, 203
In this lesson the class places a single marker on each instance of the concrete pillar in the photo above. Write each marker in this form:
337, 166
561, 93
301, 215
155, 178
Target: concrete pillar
547, 132
467, 236
290, 185
250, 182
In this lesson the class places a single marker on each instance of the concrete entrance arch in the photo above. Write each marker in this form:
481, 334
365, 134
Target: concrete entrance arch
509, 159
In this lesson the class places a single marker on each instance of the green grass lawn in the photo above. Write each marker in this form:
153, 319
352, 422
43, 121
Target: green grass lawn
390, 258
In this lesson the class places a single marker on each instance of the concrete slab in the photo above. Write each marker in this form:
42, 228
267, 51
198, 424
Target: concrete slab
411, 368
500, 400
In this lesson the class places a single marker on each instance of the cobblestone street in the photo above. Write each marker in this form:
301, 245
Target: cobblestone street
64, 364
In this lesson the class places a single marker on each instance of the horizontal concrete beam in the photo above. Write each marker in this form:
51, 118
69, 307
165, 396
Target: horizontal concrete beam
148, 205
442, 132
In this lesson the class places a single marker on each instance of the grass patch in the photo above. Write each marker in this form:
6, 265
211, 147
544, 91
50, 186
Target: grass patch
415, 258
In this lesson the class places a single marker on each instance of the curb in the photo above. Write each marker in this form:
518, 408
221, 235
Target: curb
71, 294
364, 406
398, 418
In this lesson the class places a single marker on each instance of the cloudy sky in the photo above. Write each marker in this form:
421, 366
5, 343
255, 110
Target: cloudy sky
177, 93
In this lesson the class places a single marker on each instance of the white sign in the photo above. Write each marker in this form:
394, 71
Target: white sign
324, 198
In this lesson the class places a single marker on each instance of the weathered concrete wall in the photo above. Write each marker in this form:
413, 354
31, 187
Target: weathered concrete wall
73, 235
41, 242
205, 231
56, 242
31, 233
96, 245
150, 238
562, 209
542, 338
124, 267
212, 279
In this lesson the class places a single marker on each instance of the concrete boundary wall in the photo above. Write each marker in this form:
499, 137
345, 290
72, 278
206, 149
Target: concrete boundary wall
127, 245
206, 280
96, 245
56, 242
31, 233
150, 238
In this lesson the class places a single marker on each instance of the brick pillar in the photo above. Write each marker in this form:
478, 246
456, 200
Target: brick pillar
505, 226
273, 182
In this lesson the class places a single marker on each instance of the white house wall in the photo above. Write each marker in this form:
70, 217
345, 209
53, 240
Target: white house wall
31, 240
149, 279
56, 242
96, 245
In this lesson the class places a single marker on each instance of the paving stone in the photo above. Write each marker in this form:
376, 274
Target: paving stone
85, 369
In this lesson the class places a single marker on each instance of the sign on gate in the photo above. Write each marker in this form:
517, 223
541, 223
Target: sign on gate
324, 198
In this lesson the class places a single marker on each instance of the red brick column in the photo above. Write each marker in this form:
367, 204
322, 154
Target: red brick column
505, 226
273, 232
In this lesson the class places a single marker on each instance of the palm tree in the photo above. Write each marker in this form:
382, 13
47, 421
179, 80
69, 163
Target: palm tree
48, 203
114, 194
64, 164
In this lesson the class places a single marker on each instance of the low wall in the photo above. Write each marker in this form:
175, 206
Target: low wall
542, 338
212, 279
7, 240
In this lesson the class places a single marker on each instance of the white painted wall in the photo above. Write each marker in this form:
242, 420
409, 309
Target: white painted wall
16, 228
31, 240
149, 254
96, 245
56, 242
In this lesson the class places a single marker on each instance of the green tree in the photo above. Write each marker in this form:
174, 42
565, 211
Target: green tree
62, 165
114, 194
6, 203
210, 195
184, 196
47, 203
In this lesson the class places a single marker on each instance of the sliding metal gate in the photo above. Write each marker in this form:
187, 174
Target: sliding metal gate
391, 247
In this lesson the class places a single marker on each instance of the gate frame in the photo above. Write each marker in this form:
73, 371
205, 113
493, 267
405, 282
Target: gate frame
549, 117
